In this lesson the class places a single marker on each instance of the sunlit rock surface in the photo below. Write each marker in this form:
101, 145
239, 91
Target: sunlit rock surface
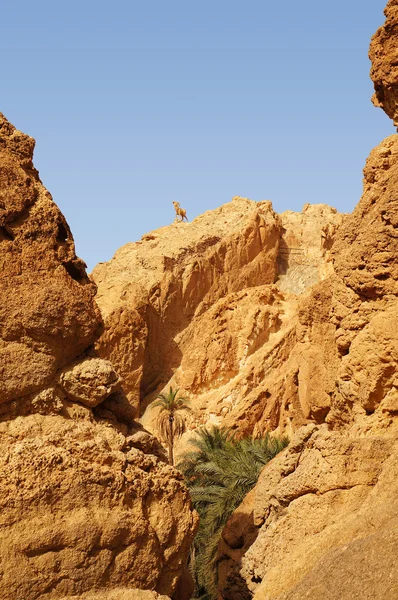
89, 508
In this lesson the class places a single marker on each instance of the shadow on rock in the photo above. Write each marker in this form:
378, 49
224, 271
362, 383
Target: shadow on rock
238, 535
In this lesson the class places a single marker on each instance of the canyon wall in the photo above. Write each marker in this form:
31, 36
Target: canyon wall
88, 503
284, 323
322, 521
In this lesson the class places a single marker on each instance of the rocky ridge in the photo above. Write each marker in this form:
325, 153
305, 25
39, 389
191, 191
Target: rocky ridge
383, 56
89, 507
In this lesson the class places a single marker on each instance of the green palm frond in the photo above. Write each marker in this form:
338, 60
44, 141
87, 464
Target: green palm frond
220, 471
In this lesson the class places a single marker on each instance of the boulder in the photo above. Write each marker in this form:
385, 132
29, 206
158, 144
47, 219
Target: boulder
89, 381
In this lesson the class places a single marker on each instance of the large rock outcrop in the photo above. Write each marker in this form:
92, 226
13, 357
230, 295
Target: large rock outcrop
89, 507
384, 57
47, 312
211, 307
83, 509
322, 520
321, 523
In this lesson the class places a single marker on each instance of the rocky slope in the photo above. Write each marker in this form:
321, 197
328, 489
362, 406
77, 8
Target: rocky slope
87, 501
321, 523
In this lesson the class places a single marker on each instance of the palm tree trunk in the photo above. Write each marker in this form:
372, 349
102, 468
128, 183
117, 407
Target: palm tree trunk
171, 457
171, 441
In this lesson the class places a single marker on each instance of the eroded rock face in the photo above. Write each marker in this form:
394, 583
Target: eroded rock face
315, 523
83, 509
211, 307
361, 303
47, 312
322, 521
312, 339
89, 507
151, 290
384, 56
306, 344
89, 381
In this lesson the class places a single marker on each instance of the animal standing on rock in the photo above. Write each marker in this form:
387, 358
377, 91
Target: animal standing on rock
180, 212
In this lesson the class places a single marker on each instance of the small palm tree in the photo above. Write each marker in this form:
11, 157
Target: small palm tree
169, 422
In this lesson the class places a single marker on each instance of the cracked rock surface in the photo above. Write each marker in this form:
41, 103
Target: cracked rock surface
47, 311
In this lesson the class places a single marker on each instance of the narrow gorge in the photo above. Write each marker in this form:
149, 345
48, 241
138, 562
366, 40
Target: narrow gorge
267, 323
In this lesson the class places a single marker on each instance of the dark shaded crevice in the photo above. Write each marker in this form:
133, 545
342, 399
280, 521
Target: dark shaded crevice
76, 271
44, 550
62, 234
6, 234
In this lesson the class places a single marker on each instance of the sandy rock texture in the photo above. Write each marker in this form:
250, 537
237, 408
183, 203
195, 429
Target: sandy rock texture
322, 520
307, 345
89, 380
89, 507
83, 509
211, 307
321, 523
119, 594
47, 312
383, 55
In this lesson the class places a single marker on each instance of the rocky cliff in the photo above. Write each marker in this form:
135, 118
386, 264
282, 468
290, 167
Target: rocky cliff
321, 522
284, 323
211, 307
87, 502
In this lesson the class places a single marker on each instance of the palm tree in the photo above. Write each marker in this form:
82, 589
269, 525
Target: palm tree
219, 472
169, 422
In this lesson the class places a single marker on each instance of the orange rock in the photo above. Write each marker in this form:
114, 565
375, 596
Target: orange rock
82, 509
322, 517
119, 594
287, 324
383, 55
320, 523
47, 312
88, 507
210, 306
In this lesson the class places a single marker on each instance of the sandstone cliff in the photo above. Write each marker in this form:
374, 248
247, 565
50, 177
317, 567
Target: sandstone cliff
88, 504
321, 522
285, 323
47, 313
310, 336
383, 55
211, 307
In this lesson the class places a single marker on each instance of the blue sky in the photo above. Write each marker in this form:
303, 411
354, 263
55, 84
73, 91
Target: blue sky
135, 104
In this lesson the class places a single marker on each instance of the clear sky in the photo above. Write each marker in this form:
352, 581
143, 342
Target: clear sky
137, 103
